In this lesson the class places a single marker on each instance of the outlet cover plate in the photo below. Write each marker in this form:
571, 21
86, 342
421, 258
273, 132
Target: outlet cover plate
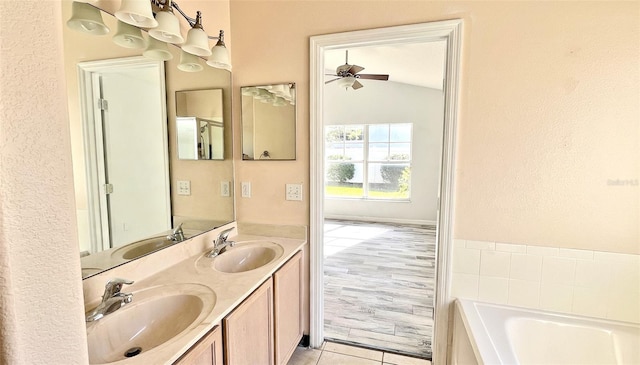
294, 192
246, 190
225, 189
184, 187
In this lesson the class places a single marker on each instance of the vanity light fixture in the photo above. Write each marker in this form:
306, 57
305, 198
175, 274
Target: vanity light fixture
197, 39
220, 54
129, 36
137, 13
87, 19
168, 29
164, 27
157, 50
276, 95
279, 101
189, 62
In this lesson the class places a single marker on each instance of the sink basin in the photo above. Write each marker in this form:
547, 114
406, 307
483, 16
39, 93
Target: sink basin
155, 316
246, 256
141, 248
88, 271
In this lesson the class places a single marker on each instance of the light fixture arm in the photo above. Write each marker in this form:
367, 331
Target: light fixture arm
197, 22
220, 38
170, 5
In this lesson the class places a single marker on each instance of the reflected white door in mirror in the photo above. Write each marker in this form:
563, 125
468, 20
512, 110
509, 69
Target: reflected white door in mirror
126, 154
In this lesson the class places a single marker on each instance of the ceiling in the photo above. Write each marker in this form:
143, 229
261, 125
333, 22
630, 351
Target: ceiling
420, 64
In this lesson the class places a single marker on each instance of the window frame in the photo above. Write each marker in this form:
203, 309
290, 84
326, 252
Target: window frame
365, 161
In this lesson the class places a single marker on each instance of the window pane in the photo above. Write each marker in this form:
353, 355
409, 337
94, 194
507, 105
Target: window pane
389, 181
400, 152
334, 151
354, 132
354, 151
401, 132
344, 179
378, 151
334, 133
379, 133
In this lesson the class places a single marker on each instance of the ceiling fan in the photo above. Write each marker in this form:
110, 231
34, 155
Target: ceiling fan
348, 75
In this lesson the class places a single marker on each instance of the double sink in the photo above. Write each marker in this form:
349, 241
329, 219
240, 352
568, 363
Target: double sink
162, 313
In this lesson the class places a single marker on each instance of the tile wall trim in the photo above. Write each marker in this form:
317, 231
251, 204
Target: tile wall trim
584, 282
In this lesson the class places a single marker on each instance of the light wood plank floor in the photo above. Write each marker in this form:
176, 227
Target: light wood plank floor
379, 285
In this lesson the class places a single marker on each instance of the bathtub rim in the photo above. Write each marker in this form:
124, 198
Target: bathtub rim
483, 342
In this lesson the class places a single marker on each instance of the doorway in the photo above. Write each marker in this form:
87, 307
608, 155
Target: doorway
126, 150
449, 33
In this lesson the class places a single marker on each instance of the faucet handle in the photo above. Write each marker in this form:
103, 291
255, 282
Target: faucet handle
225, 234
177, 235
114, 286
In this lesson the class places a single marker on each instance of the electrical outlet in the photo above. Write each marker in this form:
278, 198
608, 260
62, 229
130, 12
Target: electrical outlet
184, 187
294, 191
224, 188
246, 190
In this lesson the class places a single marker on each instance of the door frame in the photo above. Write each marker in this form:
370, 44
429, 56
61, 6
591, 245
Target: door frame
93, 145
451, 32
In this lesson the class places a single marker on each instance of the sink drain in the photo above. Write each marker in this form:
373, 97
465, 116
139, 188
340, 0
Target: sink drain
133, 352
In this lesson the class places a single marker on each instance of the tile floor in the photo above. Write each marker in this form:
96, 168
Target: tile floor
338, 354
379, 285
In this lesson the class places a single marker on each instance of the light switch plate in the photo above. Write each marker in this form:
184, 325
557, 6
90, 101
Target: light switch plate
294, 191
246, 190
184, 187
224, 188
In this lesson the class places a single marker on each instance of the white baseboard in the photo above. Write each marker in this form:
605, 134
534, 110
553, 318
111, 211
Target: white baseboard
423, 222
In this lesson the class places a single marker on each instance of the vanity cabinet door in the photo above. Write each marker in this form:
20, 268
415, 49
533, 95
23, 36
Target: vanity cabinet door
208, 351
248, 330
287, 284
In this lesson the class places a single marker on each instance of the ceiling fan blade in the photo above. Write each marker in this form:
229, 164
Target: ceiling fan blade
326, 82
374, 77
356, 85
343, 68
355, 69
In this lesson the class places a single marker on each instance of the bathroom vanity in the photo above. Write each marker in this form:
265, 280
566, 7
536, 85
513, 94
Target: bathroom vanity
243, 306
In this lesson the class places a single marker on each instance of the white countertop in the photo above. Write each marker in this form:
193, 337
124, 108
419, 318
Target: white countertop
230, 288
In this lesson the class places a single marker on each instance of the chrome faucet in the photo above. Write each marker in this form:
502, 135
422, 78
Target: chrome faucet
177, 235
221, 243
112, 299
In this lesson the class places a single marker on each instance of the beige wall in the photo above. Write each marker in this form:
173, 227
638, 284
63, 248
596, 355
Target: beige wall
41, 306
273, 131
549, 112
549, 89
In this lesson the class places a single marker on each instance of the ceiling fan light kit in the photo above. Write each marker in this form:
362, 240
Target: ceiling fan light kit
348, 75
162, 28
346, 82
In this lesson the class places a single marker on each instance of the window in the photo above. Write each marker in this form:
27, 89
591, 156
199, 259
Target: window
368, 161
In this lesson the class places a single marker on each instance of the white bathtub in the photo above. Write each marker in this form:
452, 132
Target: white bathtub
498, 334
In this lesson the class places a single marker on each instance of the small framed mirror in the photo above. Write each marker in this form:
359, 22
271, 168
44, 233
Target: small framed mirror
269, 122
199, 125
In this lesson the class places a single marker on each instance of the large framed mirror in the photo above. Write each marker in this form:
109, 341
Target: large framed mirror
269, 122
208, 203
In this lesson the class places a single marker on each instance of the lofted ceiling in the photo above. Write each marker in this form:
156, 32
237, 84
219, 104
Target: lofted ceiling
420, 64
